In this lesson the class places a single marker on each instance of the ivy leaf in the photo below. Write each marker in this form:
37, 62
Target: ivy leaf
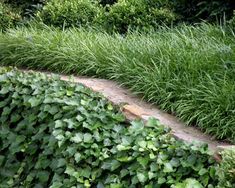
161, 180
202, 171
212, 172
153, 167
151, 175
43, 176
118, 128
142, 177
175, 162
111, 165
61, 163
191, 160
53, 110
70, 123
69, 92
188, 183
143, 161
142, 144
87, 138
110, 107
84, 103
168, 168
77, 157
80, 118
4, 90
153, 122
86, 172
56, 185
71, 151
87, 183
77, 138
58, 124
69, 170
136, 127
15, 118
115, 164
123, 147
124, 172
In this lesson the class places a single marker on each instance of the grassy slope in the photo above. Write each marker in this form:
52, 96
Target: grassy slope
188, 71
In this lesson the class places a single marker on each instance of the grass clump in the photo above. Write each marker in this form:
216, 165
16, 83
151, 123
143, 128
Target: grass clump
58, 134
188, 71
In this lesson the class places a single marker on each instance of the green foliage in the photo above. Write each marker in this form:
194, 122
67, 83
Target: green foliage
59, 134
107, 2
119, 17
196, 10
232, 21
24, 2
226, 169
8, 18
188, 71
189, 183
28, 7
133, 14
67, 13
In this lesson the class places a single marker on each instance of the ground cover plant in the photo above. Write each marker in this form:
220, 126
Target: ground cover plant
8, 17
188, 71
59, 134
226, 170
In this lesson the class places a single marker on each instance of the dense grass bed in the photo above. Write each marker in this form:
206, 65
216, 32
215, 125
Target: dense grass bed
188, 71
